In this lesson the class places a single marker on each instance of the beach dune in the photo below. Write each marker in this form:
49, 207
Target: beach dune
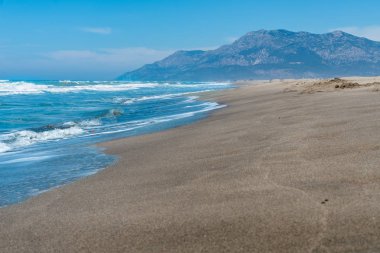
287, 166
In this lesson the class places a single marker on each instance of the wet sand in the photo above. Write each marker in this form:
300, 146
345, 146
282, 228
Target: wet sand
287, 166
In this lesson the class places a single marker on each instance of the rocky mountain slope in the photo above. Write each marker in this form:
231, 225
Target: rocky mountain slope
270, 54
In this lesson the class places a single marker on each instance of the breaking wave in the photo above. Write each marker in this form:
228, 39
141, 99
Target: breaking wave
25, 138
19, 139
47, 128
110, 117
23, 87
127, 101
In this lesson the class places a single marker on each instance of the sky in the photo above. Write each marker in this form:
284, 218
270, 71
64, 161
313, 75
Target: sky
101, 39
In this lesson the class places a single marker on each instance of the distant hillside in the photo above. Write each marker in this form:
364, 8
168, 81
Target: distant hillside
269, 54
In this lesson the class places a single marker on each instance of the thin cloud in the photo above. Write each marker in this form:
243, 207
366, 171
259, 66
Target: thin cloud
133, 56
99, 64
103, 63
97, 30
369, 32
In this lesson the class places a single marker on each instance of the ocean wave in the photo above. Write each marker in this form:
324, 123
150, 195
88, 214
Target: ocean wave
23, 138
207, 106
28, 137
127, 101
27, 159
100, 87
4, 147
136, 124
15, 88
22, 87
110, 117
84, 123
72, 82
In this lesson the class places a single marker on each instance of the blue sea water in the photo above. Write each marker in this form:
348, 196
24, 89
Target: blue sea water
48, 128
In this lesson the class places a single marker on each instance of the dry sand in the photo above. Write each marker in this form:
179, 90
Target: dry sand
288, 166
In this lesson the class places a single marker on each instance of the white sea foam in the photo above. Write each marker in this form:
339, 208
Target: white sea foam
208, 107
100, 87
127, 101
21, 87
83, 123
27, 159
136, 124
72, 82
90, 123
15, 88
24, 138
190, 99
4, 147
18, 139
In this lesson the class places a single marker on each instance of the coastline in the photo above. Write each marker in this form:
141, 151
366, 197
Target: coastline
57, 148
282, 168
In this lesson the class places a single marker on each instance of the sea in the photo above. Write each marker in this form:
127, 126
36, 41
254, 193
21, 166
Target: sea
48, 129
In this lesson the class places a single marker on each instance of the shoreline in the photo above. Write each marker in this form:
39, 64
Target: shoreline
175, 119
287, 166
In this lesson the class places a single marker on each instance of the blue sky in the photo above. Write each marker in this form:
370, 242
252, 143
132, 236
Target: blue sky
79, 39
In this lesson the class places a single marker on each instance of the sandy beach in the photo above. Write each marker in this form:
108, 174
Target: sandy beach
287, 166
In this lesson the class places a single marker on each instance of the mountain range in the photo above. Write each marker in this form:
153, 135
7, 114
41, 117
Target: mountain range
268, 54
